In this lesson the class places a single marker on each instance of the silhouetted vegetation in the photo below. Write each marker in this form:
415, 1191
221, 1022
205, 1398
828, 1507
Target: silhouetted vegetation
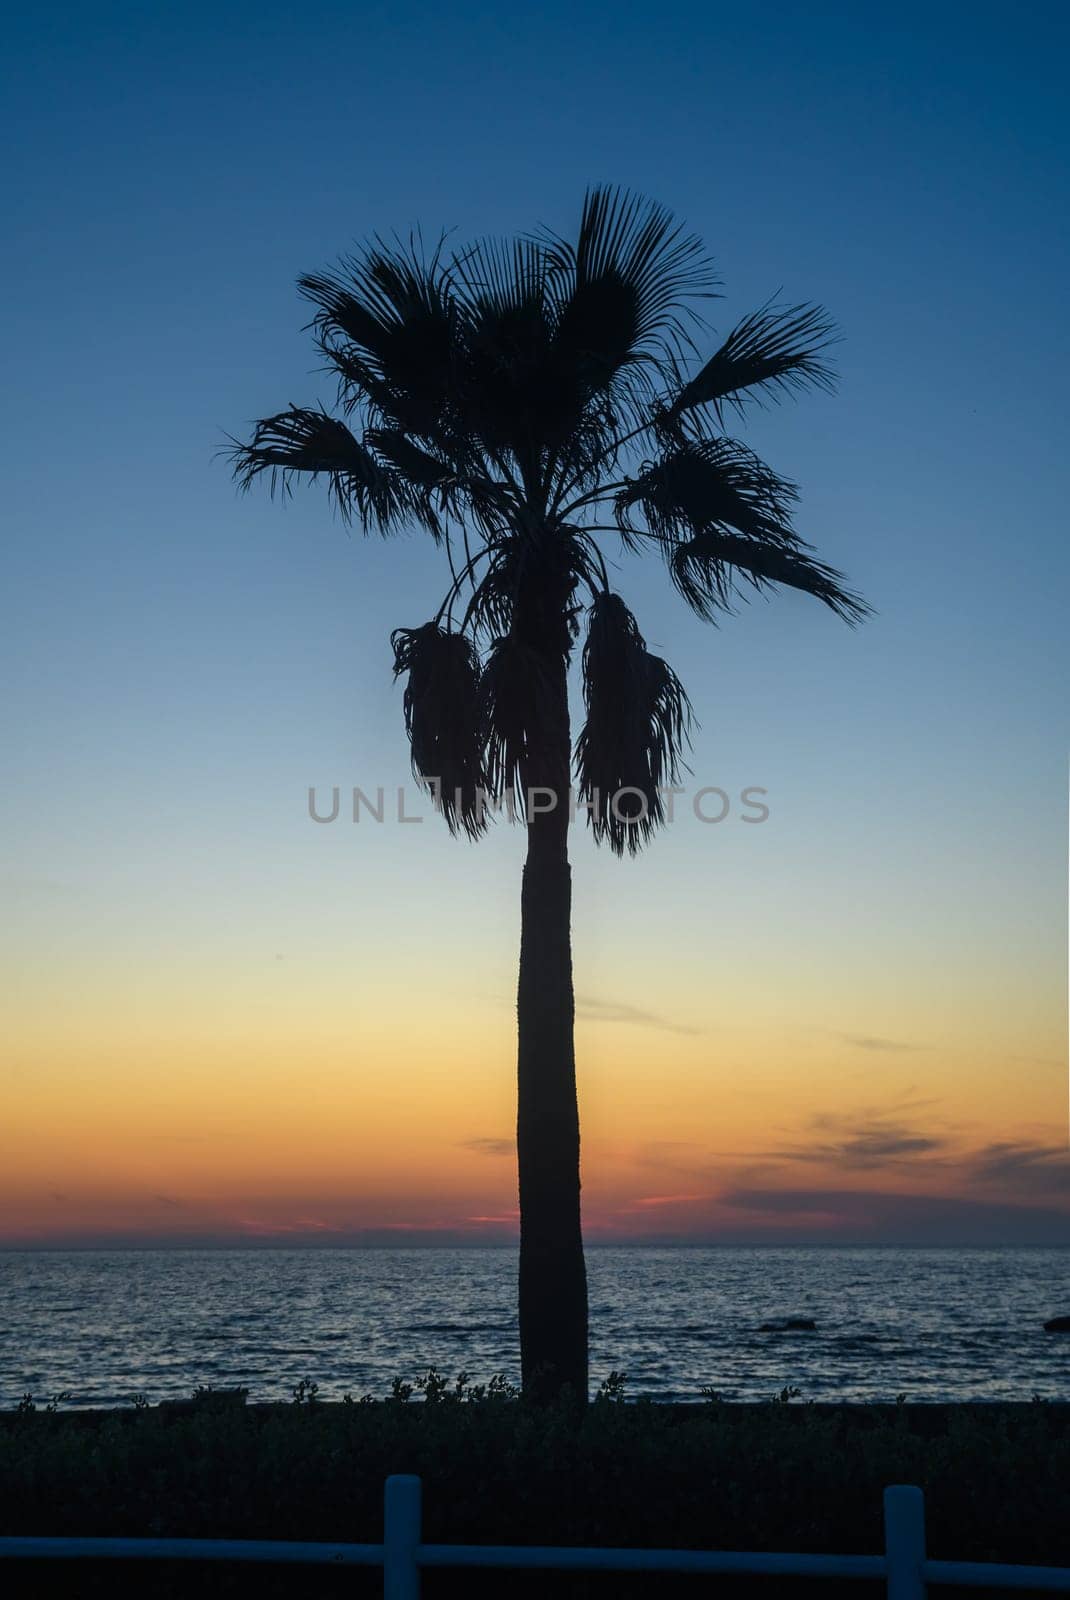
519, 401
785, 1475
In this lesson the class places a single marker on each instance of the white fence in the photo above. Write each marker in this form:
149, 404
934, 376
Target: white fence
904, 1567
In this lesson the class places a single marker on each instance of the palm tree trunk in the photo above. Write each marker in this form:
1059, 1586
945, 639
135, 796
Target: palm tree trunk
553, 1278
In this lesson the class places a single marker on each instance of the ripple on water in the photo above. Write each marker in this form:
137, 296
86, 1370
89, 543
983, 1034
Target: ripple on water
938, 1324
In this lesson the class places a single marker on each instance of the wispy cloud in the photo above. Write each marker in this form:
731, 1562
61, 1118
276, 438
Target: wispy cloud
870, 1041
672, 1155
490, 1147
18, 883
301, 1225
867, 1138
1035, 1169
590, 1009
878, 1216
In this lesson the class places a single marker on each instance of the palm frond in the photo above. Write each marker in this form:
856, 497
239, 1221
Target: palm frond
716, 483
387, 322
615, 302
311, 443
529, 585
442, 705
489, 613
418, 465
425, 473
719, 513
773, 352
706, 569
636, 731
499, 278
518, 705
516, 398
502, 393
647, 266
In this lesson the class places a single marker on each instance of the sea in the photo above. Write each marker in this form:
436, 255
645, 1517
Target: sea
104, 1327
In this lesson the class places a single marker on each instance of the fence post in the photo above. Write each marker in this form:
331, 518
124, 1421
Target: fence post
401, 1535
904, 1542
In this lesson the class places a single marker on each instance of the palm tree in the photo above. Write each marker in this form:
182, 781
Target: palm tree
519, 402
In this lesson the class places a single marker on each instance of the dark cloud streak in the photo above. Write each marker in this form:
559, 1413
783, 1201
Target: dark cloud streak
1028, 1168
490, 1147
591, 1009
874, 1216
866, 1041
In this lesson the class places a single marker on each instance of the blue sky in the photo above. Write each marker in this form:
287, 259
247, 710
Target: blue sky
184, 663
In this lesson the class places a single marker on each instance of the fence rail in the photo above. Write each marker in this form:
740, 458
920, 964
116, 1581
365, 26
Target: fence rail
906, 1570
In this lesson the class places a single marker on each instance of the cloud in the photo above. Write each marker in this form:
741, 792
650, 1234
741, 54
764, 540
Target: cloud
868, 1041
490, 1147
869, 1138
1025, 1167
673, 1155
302, 1225
884, 1144
882, 1217
31, 883
591, 1009
867, 1147
866, 1138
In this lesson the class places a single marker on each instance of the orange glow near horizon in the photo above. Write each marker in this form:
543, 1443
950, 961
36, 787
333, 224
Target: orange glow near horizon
296, 1133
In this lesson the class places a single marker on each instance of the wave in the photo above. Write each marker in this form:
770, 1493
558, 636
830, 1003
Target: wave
460, 1327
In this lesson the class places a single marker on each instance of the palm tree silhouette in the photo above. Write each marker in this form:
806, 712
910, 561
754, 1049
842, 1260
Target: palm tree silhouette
495, 398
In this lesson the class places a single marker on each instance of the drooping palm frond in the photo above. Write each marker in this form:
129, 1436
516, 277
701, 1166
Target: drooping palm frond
489, 613
719, 513
518, 716
707, 567
312, 443
443, 719
637, 727
710, 483
775, 351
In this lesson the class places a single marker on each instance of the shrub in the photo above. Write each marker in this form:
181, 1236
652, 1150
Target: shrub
781, 1476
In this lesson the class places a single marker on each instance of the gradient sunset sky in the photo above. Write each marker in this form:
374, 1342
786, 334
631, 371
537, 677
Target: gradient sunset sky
225, 1023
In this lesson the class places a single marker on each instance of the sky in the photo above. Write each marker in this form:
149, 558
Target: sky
226, 1023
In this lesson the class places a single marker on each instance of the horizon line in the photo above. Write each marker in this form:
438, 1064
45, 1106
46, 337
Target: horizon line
103, 1248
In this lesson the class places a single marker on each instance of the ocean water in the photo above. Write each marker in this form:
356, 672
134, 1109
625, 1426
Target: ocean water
930, 1324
